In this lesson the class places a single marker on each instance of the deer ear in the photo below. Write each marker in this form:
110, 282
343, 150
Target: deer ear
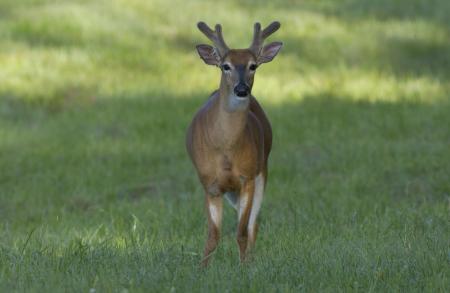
269, 52
209, 54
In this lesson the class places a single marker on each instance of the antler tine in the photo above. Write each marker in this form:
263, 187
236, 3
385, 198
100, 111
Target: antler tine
270, 29
215, 36
220, 37
256, 43
259, 37
204, 28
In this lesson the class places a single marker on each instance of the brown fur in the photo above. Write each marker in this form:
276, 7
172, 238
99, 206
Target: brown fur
230, 148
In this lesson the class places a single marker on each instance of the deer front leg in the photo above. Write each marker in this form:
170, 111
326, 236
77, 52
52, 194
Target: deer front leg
245, 207
257, 200
214, 212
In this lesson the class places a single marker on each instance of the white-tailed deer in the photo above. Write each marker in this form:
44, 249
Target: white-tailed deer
230, 137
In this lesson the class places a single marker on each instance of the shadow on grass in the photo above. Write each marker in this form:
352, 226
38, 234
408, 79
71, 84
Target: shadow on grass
113, 145
340, 169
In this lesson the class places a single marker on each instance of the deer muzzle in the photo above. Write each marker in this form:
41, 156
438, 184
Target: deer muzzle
242, 90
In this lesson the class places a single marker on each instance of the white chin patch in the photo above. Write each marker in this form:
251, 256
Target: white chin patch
238, 103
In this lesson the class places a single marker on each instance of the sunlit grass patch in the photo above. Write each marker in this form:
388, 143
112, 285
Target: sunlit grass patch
102, 49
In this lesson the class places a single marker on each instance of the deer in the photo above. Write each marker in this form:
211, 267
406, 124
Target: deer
230, 137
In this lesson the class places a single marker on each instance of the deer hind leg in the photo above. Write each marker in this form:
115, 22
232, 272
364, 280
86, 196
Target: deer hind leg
245, 207
214, 211
257, 200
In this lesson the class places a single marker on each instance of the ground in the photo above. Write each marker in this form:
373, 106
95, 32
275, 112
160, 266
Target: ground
97, 192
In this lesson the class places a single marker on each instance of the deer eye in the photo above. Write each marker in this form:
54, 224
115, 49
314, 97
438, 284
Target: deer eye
253, 67
226, 67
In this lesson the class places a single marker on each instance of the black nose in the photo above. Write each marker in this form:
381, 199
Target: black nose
241, 90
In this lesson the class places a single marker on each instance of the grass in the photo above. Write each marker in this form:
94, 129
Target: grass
97, 192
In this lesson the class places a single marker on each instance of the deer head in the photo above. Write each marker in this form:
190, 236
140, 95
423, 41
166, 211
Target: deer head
238, 65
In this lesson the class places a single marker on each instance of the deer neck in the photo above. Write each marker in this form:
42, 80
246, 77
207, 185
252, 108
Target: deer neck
230, 118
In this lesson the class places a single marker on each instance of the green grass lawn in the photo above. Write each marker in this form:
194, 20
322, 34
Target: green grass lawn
98, 193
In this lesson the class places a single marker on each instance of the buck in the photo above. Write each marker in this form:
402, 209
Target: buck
230, 137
